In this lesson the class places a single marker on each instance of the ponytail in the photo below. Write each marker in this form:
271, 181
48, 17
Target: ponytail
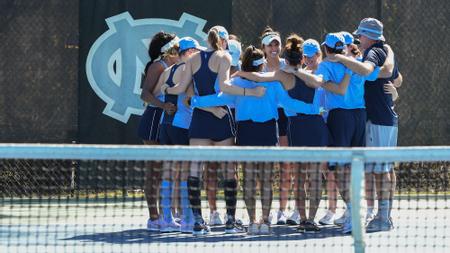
214, 39
293, 51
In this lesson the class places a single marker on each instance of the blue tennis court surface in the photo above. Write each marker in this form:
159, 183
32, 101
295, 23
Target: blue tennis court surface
421, 226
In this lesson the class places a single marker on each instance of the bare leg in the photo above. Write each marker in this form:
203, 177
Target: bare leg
301, 193
285, 184
151, 187
370, 191
211, 184
296, 175
315, 188
344, 182
332, 191
285, 177
266, 179
250, 178
383, 185
151, 184
392, 191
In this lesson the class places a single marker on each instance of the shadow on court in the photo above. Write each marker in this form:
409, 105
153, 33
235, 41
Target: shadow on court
217, 234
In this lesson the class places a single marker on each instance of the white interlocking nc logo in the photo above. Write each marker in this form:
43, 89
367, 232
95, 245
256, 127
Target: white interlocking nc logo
117, 59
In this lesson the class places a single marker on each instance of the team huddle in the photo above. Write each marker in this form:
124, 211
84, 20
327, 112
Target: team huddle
299, 93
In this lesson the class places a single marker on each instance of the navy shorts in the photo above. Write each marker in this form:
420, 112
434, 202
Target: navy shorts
282, 123
205, 125
172, 135
347, 127
149, 124
308, 131
233, 114
250, 133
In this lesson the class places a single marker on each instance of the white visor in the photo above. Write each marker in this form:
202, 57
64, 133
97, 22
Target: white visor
258, 62
269, 38
170, 44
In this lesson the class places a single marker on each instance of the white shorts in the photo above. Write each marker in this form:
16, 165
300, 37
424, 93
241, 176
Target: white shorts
380, 136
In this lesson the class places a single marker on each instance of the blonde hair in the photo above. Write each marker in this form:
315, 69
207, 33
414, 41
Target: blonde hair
173, 51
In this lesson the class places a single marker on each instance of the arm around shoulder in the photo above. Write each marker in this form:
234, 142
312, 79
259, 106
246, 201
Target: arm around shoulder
361, 68
186, 79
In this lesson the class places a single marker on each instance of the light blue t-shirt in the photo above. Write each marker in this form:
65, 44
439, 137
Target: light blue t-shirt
354, 97
333, 72
257, 109
282, 65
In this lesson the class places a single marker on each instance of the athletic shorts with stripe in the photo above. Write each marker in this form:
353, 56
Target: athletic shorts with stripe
380, 136
149, 124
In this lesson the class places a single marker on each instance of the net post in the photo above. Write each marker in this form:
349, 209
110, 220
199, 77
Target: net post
72, 175
356, 191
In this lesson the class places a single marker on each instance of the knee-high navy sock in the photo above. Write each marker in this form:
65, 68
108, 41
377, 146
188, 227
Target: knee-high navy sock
230, 186
194, 195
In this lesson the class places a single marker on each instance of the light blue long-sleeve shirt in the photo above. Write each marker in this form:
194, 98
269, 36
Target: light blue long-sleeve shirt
257, 109
183, 115
354, 97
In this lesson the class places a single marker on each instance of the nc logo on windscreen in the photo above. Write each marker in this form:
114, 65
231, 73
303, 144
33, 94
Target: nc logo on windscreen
117, 59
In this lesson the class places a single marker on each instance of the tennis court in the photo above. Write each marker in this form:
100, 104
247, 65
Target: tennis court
108, 221
119, 226
275, 79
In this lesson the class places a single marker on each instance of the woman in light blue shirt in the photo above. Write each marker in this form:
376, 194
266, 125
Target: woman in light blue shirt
271, 46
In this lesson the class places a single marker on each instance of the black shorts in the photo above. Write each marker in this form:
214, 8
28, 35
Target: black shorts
308, 131
205, 125
347, 127
172, 135
250, 133
149, 124
282, 123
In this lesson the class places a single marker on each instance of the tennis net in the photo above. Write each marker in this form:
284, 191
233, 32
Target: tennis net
91, 198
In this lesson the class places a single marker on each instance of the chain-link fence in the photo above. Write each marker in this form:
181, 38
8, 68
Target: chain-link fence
415, 29
38, 71
47, 178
